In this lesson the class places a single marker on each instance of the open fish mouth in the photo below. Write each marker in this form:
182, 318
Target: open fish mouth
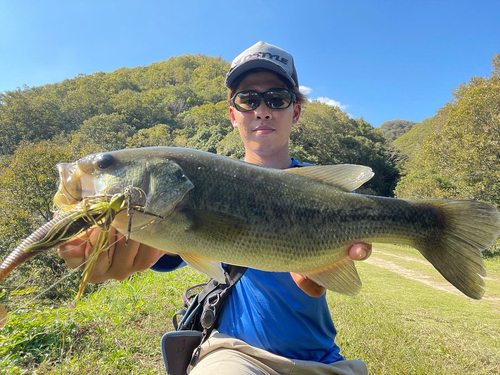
75, 186
70, 189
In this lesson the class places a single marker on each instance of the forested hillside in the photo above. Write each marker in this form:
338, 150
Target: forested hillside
180, 102
395, 128
410, 143
456, 153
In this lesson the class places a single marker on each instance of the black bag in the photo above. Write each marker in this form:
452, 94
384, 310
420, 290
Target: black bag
177, 348
199, 318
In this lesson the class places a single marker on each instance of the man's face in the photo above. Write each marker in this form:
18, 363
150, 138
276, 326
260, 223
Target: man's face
264, 131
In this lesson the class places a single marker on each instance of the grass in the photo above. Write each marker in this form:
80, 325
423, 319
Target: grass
114, 330
396, 325
400, 326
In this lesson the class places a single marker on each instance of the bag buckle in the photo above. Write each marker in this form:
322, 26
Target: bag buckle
207, 318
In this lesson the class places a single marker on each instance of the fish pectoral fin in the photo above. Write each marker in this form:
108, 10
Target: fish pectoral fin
340, 277
203, 264
346, 177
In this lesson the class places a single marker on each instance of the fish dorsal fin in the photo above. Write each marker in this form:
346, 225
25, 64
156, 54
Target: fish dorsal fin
340, 277
346, 177
205, 265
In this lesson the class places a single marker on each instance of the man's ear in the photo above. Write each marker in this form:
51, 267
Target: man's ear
297, 108
233, 119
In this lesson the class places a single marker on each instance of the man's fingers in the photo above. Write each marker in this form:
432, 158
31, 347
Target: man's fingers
308, 286
73, 251
360, 251
118, 261
147, 257
123, 258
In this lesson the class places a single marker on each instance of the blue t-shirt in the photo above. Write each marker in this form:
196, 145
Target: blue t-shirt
269, 311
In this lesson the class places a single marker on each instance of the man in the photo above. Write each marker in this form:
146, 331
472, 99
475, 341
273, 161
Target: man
272, 323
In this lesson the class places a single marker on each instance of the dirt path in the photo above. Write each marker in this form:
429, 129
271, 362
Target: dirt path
414, 274
410, 273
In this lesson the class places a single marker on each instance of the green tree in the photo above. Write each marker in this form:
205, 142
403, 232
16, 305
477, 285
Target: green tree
31, 114
463, 159
395, 128
87, 96
142, 109
410, 143
159, 135
208, 80
327, 135
231, 145
29, 180
204, 127
102, 133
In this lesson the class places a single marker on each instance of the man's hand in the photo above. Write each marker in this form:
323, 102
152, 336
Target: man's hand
358, 251
121, 261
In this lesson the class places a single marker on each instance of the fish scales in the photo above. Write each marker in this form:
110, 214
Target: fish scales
298, 226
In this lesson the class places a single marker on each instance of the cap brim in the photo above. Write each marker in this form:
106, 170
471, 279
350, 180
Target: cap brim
254, 64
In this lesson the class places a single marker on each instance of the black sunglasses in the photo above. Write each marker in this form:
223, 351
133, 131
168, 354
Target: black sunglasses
248, 100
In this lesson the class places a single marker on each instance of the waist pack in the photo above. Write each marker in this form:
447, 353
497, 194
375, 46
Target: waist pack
200, 314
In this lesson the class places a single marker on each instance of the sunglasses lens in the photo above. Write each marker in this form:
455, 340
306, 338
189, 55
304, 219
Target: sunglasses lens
246, 100
277, 99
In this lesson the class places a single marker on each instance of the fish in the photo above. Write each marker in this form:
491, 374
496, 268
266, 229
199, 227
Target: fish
210, 209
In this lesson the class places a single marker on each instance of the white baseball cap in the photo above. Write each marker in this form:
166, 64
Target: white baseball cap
266, 56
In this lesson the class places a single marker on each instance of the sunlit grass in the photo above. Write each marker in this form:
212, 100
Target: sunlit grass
396, 325
400, 326
114, 330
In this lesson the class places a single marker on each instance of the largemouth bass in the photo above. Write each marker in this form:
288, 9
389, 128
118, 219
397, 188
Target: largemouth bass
210, 209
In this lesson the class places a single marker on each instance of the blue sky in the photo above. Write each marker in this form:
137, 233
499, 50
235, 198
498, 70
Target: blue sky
380, 60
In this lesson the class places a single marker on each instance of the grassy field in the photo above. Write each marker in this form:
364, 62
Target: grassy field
405, 321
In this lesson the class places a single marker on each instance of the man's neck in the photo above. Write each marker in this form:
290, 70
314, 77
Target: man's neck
280, 161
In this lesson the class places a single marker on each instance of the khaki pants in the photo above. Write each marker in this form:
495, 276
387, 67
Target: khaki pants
222, 354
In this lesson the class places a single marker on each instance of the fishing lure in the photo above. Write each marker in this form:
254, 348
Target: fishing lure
92, 211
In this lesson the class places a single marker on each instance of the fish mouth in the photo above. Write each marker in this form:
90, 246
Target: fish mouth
75, 186
70, 188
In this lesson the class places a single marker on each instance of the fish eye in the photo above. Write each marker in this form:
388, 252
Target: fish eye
104, 161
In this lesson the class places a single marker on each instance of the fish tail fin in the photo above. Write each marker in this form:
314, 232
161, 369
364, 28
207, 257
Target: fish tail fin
468, 228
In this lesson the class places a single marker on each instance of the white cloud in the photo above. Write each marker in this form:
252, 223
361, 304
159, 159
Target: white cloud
331, 102
323, 99
305, 90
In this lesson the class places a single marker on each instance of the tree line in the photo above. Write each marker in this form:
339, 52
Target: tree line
460, 158
458, 153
